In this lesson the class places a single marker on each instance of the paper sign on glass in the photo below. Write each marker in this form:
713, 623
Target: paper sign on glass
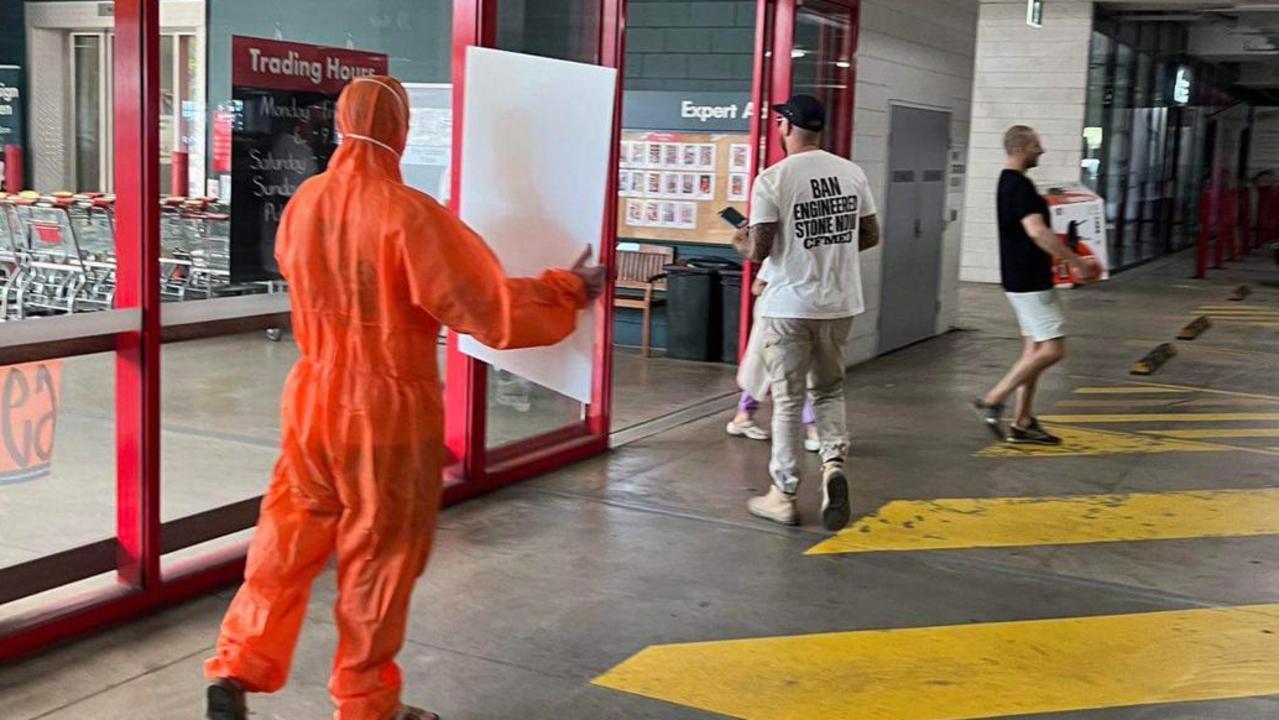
536, 136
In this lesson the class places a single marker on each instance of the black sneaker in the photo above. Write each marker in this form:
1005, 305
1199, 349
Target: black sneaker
226, 701
1033, 434
992, 415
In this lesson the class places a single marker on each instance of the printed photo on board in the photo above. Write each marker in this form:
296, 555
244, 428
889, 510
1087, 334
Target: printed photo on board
688, 185
654, 154
637, 182
740, 158
706, 157
634, 212
654, 184
637, 152
688, 155
688, 216
670, 184
652, 213
670, 154
706, 186
737, 186
623, 182
669, 216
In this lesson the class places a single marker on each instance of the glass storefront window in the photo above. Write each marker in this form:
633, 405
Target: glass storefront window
821, 65
1098, 107
567, 30
57, 456
220, 423
89, 68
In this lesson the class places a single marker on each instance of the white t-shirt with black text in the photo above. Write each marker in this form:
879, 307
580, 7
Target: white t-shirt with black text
815, 268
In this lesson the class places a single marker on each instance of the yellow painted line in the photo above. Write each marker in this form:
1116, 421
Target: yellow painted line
1258, 311
1117, 403
963, 672
1193, 347
1251, 323
1211, 391
1227, 402
1081, 442
1218, 434
1162, 418
1236, 309
949, 524
1131, 390
1241, 313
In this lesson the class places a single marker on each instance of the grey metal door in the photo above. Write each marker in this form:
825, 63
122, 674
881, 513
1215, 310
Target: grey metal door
913, 221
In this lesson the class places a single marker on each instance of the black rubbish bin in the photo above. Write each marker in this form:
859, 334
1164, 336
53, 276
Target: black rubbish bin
694, 312
730, 285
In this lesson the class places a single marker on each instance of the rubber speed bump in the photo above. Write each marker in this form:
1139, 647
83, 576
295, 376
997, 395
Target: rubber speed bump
1154, 360
1197, 327
1240, 293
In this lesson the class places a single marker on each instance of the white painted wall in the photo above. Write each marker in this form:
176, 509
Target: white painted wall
1029, 76
918, 53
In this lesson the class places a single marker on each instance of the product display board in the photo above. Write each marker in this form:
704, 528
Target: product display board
534, 182
1086, 211
286, 96
672, 185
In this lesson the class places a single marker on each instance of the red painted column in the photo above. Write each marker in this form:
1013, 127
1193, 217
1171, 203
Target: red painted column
137, 182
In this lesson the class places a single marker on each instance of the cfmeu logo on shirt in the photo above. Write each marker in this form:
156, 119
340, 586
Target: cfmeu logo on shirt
830, 218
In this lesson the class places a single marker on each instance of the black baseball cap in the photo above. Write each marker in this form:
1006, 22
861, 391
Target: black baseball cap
803, 111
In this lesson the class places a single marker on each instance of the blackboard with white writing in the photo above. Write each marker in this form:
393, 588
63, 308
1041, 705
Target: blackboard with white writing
284, 132
281, 139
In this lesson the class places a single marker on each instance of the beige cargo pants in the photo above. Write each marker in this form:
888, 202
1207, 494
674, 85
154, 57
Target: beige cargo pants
805, 356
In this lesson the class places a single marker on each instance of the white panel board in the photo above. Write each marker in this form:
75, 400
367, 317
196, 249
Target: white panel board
536, 136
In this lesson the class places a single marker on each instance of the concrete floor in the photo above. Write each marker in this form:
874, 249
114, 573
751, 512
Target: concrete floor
657, 548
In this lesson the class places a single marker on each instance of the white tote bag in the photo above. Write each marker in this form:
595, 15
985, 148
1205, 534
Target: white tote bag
752, 376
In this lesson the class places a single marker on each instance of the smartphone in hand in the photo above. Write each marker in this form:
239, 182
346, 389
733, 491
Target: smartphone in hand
733, 217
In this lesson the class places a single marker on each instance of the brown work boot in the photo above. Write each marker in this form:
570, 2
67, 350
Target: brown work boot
226, 701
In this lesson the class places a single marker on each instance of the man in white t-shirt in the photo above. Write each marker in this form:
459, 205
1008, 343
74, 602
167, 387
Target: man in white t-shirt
811, 216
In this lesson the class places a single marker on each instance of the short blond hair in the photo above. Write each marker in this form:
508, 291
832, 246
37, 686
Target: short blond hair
1017, 138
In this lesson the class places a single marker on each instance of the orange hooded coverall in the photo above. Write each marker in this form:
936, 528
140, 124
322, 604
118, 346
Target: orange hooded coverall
374, 268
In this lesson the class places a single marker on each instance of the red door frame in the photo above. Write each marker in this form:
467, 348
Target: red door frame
774, 41
141, 541
479, 469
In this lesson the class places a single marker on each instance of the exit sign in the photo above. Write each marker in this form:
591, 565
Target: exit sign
1035, 13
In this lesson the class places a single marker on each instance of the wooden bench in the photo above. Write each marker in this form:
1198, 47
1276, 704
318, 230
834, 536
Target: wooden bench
641, 283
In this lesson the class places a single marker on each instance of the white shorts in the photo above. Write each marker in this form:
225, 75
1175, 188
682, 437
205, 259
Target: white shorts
1039, 314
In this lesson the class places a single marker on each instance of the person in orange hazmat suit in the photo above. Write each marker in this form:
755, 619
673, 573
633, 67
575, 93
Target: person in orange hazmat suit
374, 269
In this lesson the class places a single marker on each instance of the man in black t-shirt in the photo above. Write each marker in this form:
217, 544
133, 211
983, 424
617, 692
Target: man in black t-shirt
1027, 246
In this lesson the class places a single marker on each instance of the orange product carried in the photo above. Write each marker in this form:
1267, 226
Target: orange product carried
374, 269
1079, 220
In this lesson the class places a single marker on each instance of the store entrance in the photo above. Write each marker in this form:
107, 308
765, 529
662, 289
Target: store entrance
695, 132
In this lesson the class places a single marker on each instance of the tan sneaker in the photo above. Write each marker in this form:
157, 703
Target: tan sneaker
746, 429
776, 506
835, 510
